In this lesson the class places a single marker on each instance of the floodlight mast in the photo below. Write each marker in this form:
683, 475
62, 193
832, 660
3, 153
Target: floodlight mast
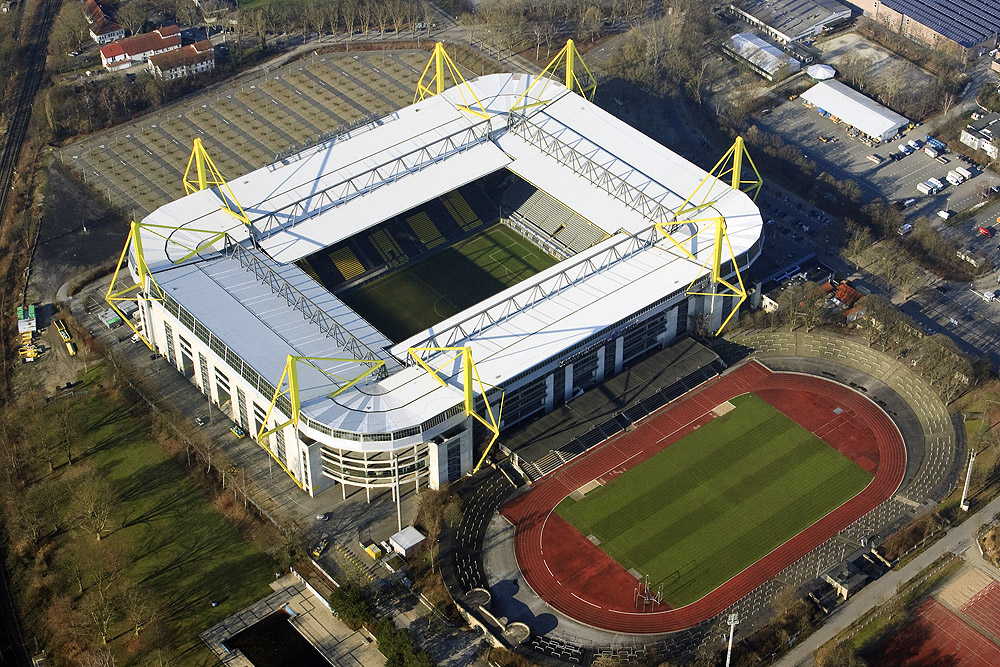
731, 166
733, 621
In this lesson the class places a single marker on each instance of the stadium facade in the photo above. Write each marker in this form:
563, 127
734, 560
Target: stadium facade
224, 296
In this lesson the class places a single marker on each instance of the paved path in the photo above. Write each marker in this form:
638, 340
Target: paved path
956, 540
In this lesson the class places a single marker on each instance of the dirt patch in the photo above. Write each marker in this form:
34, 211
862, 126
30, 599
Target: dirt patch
723, 408
961, 589
878, 58
79, 232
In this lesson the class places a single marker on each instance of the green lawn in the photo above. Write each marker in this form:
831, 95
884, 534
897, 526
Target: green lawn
423, 293
711, 504
177, 544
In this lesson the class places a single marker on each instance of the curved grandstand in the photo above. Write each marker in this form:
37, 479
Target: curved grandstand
531, 241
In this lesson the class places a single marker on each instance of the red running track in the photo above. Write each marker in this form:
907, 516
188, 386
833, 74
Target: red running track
938, 638
984, 609
574, 576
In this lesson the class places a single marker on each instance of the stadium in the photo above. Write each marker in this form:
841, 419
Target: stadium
378, 306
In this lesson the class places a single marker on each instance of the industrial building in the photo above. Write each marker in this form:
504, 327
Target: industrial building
844, 104
983, 134
645, 245
764, 58
965, 28
790, 21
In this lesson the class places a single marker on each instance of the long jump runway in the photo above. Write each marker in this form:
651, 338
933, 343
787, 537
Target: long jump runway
574, 576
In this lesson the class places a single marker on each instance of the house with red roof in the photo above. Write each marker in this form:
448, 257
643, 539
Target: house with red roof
102, 29
135, 50
192, 59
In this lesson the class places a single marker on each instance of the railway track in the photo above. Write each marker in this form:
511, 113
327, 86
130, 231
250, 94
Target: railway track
37, 45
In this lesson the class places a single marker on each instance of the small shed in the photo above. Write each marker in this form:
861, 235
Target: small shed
406, 540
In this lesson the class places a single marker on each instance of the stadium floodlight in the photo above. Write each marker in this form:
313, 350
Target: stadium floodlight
470, 377
208, 175
733, 621
731, 165
145, 289
443, 64
567, 58
291, 375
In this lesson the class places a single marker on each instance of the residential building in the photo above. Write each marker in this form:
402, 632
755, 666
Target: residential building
789, 21
135, 50
102, 29
965, 28
984, 135
192, 59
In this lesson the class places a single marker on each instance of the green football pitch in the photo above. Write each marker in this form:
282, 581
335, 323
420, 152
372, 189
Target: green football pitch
718, 500
421, 294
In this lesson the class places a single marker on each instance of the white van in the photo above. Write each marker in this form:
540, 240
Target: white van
944, 214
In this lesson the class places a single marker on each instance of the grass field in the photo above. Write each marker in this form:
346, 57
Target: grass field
708, 506
174, 543
439, 285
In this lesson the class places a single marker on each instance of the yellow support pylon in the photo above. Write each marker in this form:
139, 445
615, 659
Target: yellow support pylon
207, 175
146, 288
567, 58
443, 64
730, 167
470, 377
291, 374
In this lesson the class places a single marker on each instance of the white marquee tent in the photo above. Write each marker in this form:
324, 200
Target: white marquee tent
835, 99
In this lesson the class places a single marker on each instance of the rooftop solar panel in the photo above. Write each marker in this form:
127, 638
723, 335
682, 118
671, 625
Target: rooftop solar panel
967, 22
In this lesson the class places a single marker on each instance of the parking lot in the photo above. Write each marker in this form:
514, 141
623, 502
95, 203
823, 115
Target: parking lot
843, 156
244, 125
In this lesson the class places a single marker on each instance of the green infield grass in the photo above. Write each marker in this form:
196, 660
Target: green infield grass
419, 295
716, 501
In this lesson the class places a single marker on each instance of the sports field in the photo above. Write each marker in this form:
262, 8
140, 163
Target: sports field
419, 295
703, 509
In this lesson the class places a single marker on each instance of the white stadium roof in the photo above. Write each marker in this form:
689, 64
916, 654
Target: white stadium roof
855, 109
263, 307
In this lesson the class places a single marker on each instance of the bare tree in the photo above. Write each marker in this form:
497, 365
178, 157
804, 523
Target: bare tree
99, 614
69, 30
102, 657
947, 101
590, 22
859, 240
132, 15
349, 15
138, 606
95, 502
382, 16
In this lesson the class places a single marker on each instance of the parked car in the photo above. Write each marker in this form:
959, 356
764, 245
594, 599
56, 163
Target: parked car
238, 432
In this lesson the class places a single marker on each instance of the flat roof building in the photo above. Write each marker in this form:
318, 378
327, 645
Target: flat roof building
834, 99
984, 135
964, 28
762, 57
791, 20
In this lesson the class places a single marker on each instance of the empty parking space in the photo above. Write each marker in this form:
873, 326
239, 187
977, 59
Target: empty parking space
244, 124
